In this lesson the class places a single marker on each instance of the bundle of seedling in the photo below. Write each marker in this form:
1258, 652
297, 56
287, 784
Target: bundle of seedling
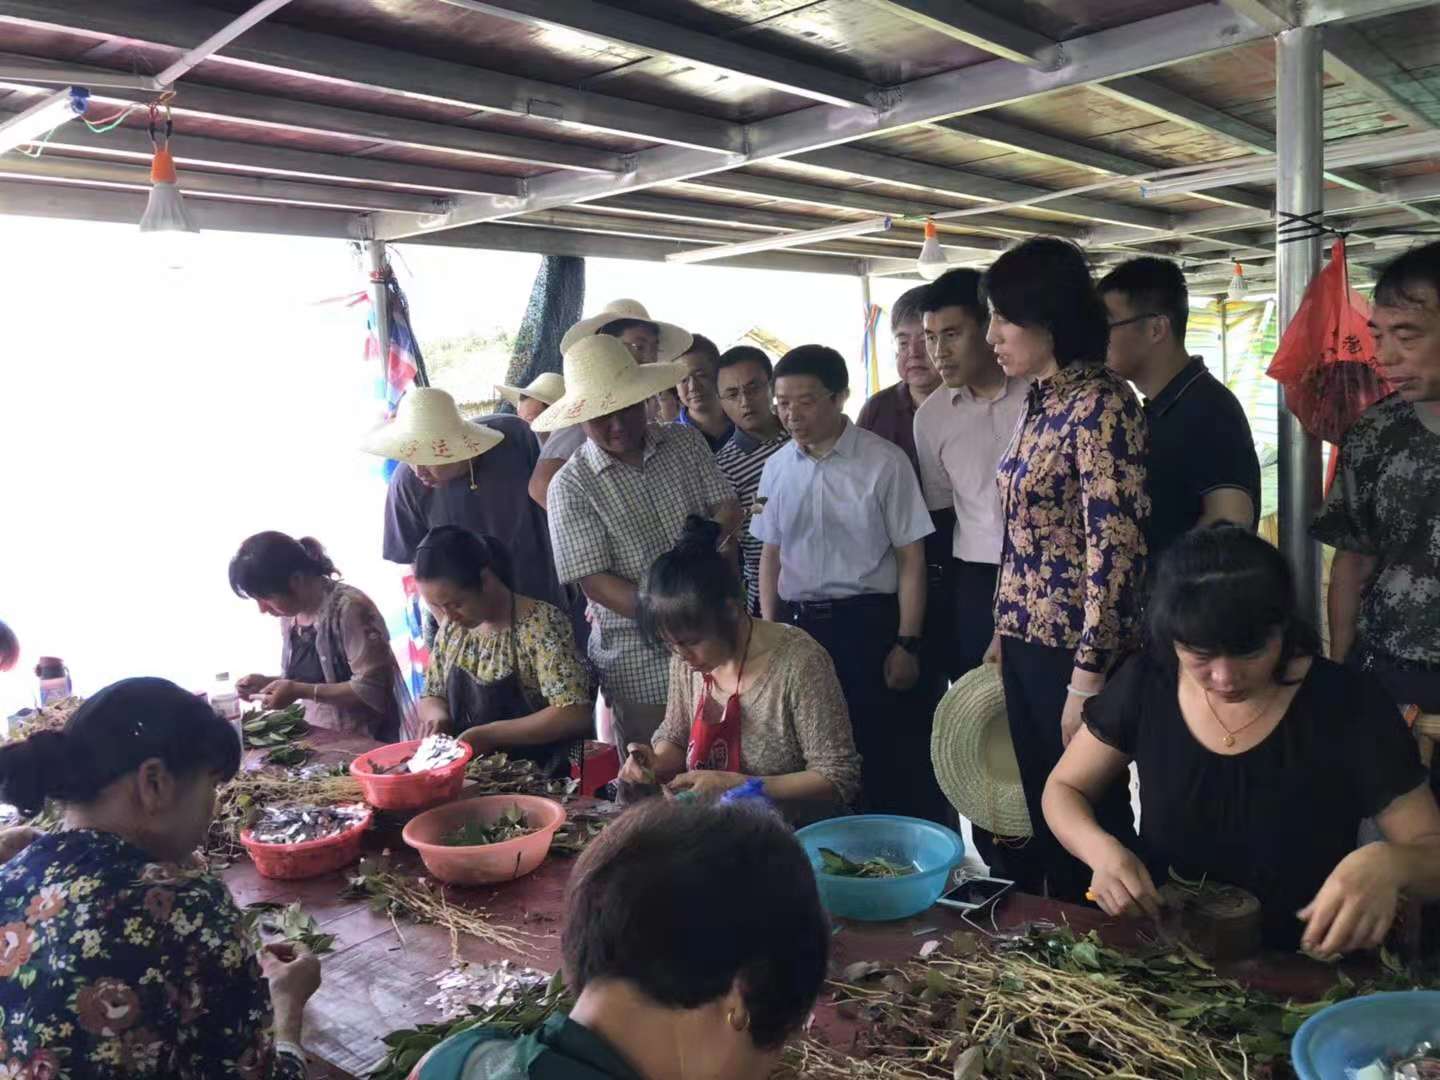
419, 899
275, 727
1048, 1004
51, 717
287, 923
501, 774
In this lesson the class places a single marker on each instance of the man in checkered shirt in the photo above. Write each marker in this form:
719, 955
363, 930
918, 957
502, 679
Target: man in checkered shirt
617, 505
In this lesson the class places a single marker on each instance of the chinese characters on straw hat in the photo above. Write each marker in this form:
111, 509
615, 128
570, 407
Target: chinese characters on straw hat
973, 756
674, 341
429, 430
602, 377
548, 387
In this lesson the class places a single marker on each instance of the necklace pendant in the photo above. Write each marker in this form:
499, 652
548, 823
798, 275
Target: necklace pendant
1229, 740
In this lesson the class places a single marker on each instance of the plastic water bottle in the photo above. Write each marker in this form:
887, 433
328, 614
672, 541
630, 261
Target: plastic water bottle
226, 703
54, 679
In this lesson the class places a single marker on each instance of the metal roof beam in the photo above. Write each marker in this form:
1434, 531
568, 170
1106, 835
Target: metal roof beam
127, 207
855, 198
546, 241
895, 170
255, 188
1323, 12
285, 48
1106, 54
639, 32
975, 26
1162, 101
1025, 140
1350, 58
1273, 15
257, 157
290, 114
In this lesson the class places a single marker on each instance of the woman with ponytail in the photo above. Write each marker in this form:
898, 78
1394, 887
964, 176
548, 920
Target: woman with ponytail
118, 956
504, 672
748, 698
335, 649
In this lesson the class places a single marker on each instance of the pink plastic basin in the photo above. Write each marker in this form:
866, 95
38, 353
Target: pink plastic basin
309, 858
484, 864
407, 790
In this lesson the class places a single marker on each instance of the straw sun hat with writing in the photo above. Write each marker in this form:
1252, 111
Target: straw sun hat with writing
674, 342
602, 377
973, 756
548, 387
429, 430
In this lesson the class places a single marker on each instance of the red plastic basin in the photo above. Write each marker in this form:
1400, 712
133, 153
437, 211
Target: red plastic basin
407, 790
484, 864
310, 858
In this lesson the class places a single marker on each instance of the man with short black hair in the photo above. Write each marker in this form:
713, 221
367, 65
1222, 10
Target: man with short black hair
961, 432
843, 526
890, 413
700, 402
1383, 514
747, 392
1202, 463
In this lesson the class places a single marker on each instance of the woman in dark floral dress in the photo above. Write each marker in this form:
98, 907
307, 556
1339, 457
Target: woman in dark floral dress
116, 957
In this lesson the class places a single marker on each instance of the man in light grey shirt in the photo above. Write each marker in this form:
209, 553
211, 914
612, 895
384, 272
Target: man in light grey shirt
961, 432
842, 526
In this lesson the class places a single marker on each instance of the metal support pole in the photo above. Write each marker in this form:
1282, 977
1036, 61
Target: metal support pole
1224, 342
872, 360
1299, 190
380, 303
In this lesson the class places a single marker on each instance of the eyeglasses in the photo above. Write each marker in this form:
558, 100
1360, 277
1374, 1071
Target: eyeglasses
1136, 318
749, 390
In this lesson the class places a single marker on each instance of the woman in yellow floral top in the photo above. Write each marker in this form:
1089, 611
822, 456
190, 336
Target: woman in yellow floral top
1073, 489
504, 672
117, 958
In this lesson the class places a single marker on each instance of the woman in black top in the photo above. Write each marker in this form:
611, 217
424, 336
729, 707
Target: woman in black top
1258, 759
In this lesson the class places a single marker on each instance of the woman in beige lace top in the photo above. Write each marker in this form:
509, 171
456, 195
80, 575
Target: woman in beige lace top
747, 698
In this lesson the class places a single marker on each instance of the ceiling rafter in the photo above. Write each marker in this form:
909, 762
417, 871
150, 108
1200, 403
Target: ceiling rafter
327, 56
642, 33
975, 26
293, 114
855, 161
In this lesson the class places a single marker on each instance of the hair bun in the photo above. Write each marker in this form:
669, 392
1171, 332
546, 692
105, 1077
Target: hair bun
35, 769
700, 534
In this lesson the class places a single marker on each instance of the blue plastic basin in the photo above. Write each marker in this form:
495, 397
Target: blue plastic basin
933, 849
1352, 1034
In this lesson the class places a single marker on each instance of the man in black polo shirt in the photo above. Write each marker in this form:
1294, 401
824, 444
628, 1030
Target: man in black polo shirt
1203, 466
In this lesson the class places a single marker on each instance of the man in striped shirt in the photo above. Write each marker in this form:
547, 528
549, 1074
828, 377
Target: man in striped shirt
746, 385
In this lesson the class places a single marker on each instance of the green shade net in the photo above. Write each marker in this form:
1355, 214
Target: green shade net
556, 301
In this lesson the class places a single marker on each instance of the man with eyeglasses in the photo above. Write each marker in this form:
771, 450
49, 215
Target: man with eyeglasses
747, 392
843, 526
1203, 467
700, 403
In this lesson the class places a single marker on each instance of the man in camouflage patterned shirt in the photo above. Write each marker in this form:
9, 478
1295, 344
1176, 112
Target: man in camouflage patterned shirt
1383, 514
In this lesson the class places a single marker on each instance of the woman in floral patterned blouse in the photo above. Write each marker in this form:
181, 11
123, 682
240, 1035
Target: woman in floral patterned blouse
1073, 489
116, 957
504, 672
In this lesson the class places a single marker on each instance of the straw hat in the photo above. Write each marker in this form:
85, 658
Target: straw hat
674, 342
547, 387
973, 756
429, 430
602, 377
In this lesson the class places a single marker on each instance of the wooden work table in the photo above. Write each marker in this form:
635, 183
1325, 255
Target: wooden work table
378, 977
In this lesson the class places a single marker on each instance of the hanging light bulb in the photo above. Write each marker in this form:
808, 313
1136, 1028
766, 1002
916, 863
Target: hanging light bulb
1237, 289
932, 262
166, 217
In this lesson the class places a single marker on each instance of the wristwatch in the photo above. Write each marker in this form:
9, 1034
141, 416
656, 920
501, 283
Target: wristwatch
909, 644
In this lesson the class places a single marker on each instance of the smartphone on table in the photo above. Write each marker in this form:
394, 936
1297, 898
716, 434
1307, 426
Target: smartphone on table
972, 894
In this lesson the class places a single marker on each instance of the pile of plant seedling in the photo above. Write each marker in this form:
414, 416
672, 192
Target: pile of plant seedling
509, 825
421, 900
1049, 1004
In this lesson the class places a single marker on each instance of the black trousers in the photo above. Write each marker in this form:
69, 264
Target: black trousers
972, 588
892, 729
1036, 677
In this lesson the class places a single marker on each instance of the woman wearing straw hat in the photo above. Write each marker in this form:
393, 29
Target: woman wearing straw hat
472, 474
1258, 759
617, 505
530, 401
648, 340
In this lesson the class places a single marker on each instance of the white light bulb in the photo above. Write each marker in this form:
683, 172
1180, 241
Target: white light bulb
932, 262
